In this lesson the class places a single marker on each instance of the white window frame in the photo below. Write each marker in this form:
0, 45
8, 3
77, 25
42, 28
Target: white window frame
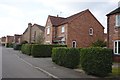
75, 44
48, 30
91, 32
117, 46
117, 19
63, 29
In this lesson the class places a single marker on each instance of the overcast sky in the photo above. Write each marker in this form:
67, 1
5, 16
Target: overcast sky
16, 14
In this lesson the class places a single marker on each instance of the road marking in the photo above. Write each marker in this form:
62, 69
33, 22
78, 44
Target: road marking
44, 71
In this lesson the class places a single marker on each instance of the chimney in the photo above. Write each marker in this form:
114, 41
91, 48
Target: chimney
29, 30
119, 4
29, 24
57, 15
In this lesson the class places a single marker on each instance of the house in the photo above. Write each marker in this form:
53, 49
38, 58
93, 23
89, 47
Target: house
113, 29
33, 33
3, 41
9, 40
17, 38
78, 30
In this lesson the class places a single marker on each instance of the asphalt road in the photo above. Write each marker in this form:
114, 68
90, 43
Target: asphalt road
13, 67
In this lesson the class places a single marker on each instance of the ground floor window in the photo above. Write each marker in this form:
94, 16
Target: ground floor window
74, 44
117, 47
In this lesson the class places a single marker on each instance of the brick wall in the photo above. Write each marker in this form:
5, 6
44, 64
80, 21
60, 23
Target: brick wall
78, 30
113, 32
35, 33
48, 37
29, 33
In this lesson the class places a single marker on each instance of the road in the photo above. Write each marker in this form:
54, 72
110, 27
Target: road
14, 67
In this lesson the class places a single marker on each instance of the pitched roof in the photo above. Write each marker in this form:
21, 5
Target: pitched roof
40, 27
114, 11
56, 20
60, 20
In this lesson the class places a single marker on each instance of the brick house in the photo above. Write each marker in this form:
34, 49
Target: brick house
32, 33
113, 29
17, 38
9, 40
3, 40
78, 30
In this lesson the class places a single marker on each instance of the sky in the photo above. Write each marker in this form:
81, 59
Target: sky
16, 14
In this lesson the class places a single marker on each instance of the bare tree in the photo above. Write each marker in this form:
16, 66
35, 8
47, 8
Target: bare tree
40, 38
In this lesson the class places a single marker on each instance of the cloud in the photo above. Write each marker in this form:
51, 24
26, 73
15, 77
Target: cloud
10, 10
16, 14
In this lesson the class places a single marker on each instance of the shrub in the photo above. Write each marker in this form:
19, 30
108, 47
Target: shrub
17, 46
24, 42
96, 61
9, 45
26, 49
43, 50
99, 43
68, 57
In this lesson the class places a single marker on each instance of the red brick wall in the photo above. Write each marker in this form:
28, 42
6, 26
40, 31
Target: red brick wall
16, 38
113, 33
9, 39
48, 37
116, 58
78, 30
3, 39
64, 34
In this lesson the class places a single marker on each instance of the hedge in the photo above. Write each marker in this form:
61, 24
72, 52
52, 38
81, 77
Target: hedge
67, 57
96, 61
43, 50
17, 46
26, 49
9, 45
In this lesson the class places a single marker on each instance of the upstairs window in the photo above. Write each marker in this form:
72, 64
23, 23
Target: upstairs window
91, 31
48, 30
63, 29
117, 20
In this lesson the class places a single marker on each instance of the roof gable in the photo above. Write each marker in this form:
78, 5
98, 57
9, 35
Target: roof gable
114, 11
40, 27
56, 21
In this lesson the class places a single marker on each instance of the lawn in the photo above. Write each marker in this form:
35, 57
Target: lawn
116, 71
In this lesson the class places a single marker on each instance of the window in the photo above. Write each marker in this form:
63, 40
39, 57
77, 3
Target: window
63, 29
48, 30
117, 47
117, 20
74, 44
91, 31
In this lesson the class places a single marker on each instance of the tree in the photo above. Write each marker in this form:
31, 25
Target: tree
40, 38
99, 43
